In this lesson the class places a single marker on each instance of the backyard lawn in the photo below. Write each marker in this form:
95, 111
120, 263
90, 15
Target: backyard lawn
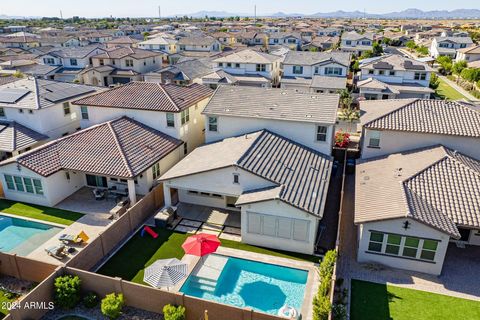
445, 91
39, 212
139, 252
3, 301
383, 302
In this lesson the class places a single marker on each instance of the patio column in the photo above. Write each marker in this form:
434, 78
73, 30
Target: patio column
167, 196
131, 192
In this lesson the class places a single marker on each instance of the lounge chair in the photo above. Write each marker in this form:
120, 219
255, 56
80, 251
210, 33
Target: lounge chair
74, 239
56, 251
99, 194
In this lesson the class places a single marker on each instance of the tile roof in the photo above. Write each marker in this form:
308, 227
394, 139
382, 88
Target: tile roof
122, 148
313, 58
423, 116
149, 96
301, 175
394, 62
248, 56
279, 104
14, 136
436, 186
123, 52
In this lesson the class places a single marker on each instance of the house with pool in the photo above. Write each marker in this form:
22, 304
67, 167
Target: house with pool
121, 158
276, 186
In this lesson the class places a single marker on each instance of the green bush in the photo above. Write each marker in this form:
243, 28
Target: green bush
112, 305
434, 81
339, 312
67, 291
321, 301
173, 312
90, 300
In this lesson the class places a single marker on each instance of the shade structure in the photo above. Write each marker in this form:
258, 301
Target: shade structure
201, 244
165, 273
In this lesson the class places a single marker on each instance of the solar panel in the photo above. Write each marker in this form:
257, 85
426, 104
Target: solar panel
12, 95
63, 91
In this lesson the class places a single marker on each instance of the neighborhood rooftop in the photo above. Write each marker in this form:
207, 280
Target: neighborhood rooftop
424, 116
435, 185
149, 96
122, 148
281, 104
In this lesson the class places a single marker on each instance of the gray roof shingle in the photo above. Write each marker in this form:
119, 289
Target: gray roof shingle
14, 136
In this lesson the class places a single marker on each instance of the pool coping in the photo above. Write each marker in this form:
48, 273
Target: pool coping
311, 287
53, 224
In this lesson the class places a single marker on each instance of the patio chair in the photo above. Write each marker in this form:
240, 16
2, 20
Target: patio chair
57, 251
74, 239
99, 194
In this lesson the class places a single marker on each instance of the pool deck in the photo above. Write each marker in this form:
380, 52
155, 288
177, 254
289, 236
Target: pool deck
311, 287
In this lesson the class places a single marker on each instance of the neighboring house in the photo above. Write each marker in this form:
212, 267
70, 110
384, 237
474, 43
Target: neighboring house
292, 40
121, 65
43, 106
120, 153
19, 42
321, 43
356, 43
182, 73
96, 37
405, 124
122, 42
469, 54
225, 38
330, 32
60, 41
16, 138
162, 44
409, 205
320, 72
305, 118
72, 61
393, 77
448, 46
251, 67
277, 186
174, 110
197, 43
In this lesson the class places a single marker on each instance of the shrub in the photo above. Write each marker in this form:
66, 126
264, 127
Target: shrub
173, 312
112, 305
321, 307
342, 139
67, 291
339, 312
321, 301
434, 81
90, 300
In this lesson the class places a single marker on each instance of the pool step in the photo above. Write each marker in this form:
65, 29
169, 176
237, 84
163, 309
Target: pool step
203, 283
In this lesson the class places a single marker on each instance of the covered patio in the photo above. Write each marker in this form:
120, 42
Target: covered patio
202, 219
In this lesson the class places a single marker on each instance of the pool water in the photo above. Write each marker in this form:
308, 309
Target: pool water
245, 283
22, 236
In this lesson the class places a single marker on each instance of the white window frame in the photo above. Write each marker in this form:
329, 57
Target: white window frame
319, 134
374, 139
66, 108
156, 170
185, 116
171, 121
213, 124
84, 112
20, 185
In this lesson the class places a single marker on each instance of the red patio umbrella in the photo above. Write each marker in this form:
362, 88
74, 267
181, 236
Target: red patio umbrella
201, 244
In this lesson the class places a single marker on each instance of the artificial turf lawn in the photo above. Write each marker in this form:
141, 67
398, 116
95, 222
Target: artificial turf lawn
140, 252
445, 91
39, 212
3, 300
374, 301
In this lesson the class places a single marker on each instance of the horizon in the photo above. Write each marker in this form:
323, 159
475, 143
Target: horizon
149, 8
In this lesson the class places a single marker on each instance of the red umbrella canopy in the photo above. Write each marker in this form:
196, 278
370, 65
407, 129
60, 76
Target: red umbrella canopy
201, 244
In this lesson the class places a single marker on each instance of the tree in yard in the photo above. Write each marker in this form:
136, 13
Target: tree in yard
367, 54
445, 64
457, 67
386, 41
434, 81
377, 49
411, 45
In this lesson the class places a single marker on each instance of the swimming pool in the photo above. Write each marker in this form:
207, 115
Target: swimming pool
22, 236
245, 283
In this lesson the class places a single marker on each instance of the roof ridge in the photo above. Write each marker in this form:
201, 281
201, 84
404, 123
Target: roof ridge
168, 96
119, 146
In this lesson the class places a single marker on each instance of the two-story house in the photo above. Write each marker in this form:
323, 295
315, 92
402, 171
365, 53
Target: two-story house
198, 43
305, 118
19, 42
356, 43
168, 108
121, 65
320, 72
469, 54
292, 40
71, 60
162, 44
35, 110
251, 67
392, 77
448, 46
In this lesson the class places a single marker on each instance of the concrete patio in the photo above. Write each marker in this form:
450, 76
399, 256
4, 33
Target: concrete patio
84, 201
201, 219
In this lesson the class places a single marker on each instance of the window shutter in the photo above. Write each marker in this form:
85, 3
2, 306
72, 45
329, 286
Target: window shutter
284, 228
269, 226
300, 230
254, 223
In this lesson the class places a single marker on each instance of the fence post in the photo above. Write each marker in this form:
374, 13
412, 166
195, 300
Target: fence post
247, 314
118, 285
16, 268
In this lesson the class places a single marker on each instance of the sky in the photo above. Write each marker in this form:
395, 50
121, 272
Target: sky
149, 8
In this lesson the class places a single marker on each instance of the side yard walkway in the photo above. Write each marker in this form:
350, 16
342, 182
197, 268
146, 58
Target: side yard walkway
458, 88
